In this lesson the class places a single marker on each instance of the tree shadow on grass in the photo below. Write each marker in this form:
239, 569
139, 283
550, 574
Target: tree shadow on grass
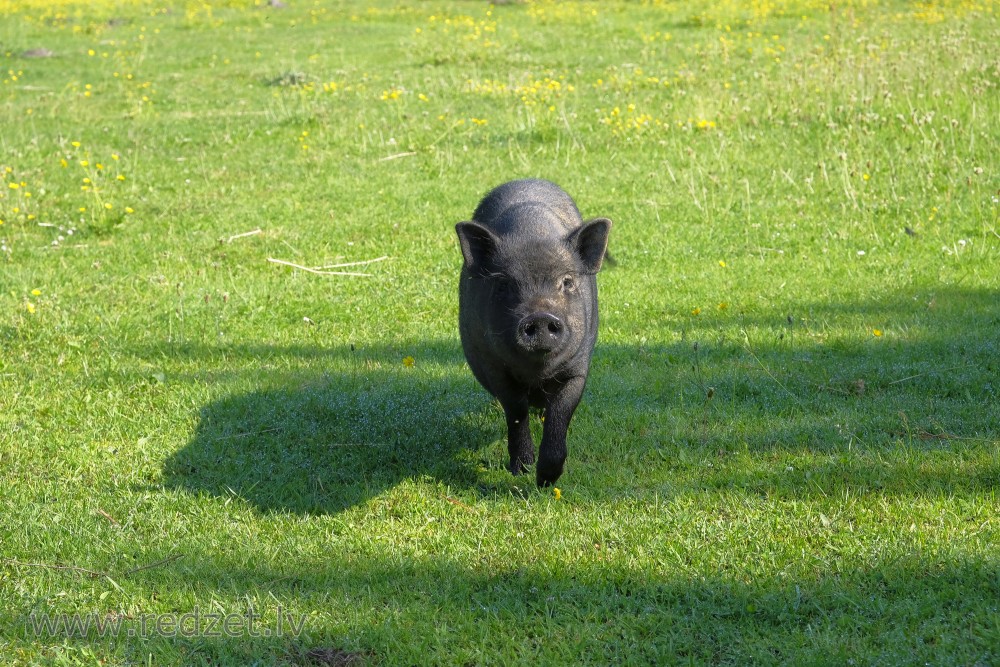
783, 421
899, 395
432, 609
914, 411
324, 442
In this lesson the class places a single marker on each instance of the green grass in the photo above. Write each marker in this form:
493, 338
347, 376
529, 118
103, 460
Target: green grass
788, 448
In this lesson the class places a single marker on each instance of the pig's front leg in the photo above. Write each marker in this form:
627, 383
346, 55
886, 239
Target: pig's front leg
558, 412
519, 443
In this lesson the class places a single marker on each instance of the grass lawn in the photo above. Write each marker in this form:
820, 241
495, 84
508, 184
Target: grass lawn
788, 448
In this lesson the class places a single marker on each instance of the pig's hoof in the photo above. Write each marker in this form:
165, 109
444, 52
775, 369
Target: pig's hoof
547, 474
520, 466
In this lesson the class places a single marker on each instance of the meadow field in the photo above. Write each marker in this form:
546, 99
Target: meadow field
789, 448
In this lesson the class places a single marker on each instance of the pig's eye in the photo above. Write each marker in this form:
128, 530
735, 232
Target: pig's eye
568, 284
502, 286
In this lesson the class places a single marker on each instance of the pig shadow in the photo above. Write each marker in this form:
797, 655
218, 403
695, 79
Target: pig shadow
321, 443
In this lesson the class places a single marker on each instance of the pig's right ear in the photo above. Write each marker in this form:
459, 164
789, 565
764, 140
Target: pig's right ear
478, 243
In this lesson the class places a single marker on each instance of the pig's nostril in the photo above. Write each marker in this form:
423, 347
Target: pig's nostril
540, 331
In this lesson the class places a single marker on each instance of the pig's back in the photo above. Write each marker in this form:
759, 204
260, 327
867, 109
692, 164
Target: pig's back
529, 191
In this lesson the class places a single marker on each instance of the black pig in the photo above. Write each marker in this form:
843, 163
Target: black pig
528, 310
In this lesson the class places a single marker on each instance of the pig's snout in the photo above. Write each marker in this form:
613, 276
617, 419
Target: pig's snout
540, 332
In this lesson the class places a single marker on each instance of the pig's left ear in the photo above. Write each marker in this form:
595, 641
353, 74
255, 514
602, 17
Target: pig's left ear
590, 242
478, 243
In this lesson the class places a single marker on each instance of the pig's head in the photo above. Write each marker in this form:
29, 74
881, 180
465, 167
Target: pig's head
533, 285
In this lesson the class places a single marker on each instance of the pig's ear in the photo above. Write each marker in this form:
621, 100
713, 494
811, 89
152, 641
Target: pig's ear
478, 243
590, 242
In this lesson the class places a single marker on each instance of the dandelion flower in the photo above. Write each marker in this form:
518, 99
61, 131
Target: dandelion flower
30, 307
877, 333
696, 311
408, 362
36, 292
722, 263
557, 493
